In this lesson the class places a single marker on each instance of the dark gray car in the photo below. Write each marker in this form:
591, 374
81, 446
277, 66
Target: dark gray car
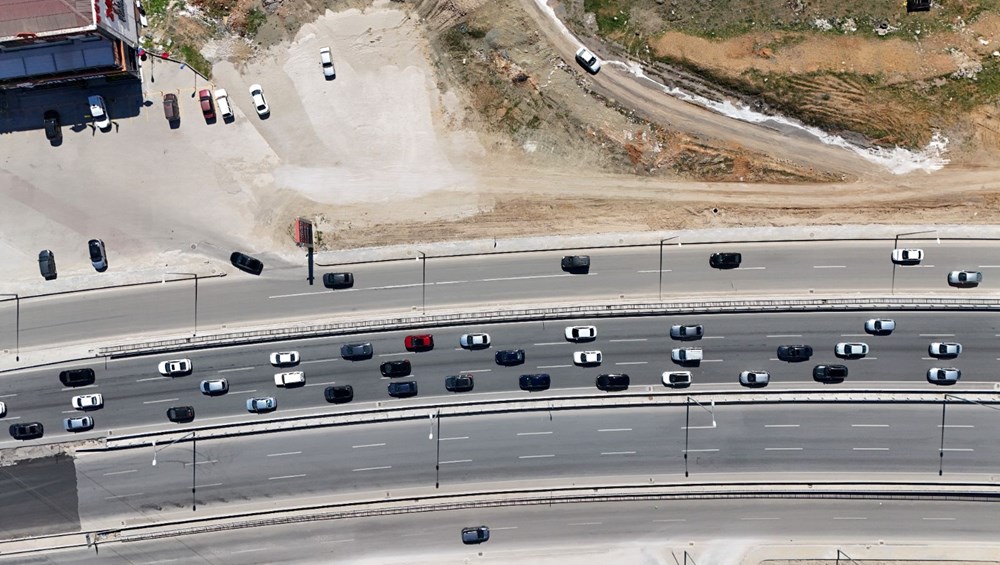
534, 383
475, 535
403, 389
356, 351
47, 264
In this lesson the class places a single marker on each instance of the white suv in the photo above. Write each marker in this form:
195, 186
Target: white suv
99, 111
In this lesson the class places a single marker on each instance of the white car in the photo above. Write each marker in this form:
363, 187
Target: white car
285, 358
175, 367
257, 94
676, 379
88, 402
588, 358
214, 387
261, 405
581, 333
907, 256
686, 354
880, 326
79, 424
326, 60
944, 376
965, 278
938, 349
588, 60
293, 378
851, 350
474, 341
222, 103
754, 379
3, 409
99, 112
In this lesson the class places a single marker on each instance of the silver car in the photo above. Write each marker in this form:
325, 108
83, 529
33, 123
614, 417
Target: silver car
261, 405
80, 424
214, 387
588, 60
944, 376
939, 349
965, 278
880, 326
687, 332
755, 379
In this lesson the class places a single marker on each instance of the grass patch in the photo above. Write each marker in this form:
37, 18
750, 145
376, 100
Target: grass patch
255, 19
156, 7
611, 15
193, 57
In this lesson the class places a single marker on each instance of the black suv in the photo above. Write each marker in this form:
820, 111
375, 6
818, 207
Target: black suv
246, 263
458, 383
338, 280
830, 373
52, 130
181, 414
475, 535
576, 264
403, 389
47, 264
509, 357
794, 353
356, 351
77, 377
611, 383
27, 430
725, 260
395, 368
339, 394
534, 383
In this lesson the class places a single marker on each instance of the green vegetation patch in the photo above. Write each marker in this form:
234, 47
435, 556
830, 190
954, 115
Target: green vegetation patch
255, 19
612, 15
193, 57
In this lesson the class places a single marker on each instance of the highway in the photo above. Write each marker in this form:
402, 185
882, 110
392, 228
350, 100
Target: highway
282, 292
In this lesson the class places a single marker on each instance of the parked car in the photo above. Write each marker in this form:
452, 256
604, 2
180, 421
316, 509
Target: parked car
794, 353
755, 379
687, 355
175, 367
944, 350
424, 342
509, 357
581, 333
170, 109
685, 333
98, 255
87, 402
577, 264
339, 394
534, 383
53, 130
207, 107
78, 424
357, 351
587, 358
285, 358
77, 377
27, 430
403, 389
676, 379
262, 405
99, 112
338, 280
947, 376
830, 373
475, 535
459, 383
588, 60
214, 387
879, 326
851, 350
725, 260
474, 341
907, 256
612, 383
326, 61
47, 264
290, 379
222, 102
180, 414
246, 263
400, 368
257, 95
965, 278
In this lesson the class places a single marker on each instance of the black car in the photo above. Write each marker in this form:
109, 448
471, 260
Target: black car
52, 130
611, 383
98, 256
577, 264
246, 263
356, 351
395, 368
830, 373
475, 535
534, 382
47, 264
339, 394
403, 389
725, 260
794, 353
180, 414
338, 280
77, 377
27, 430
458, 383
509, 357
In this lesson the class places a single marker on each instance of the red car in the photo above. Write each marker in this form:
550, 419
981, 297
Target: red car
419, 342
207, 107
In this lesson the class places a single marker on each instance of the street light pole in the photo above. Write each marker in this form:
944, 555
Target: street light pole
944, 403
423, 282
17, 326
661, 263
895, 244
437, 461
195, 275
687, 425
155, 451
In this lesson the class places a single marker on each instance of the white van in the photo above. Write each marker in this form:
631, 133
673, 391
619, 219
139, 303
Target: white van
222, 103
686, 355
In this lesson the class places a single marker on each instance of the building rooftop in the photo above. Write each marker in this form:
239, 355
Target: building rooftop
43, 17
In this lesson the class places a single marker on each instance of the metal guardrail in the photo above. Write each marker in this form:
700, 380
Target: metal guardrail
614, 310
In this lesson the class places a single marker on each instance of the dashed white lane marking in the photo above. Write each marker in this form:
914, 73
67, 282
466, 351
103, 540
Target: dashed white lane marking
751, 268
535, 456
284, 453
782, 425
454, 438
236, 369
617, 453
937, 335
957, 449
285, 477
372, 468
210, 485
671, 520
8, 395
657, 271
505, 528
957, 426
552, 366
525, 278
869, 425
553, 343
870, 448
585, 524
243, 392
936, 518
321, 360
829, 266
759, 518
322, 384
157, 401
701, 450
456, 461
369, 445
534, 433
147, 379
783, 335
849, 518
783, 449
626, 340
121, 472
123, 495
393, 354
615, 430
477, 371
633, 363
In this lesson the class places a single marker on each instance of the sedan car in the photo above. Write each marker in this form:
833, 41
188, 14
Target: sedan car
459, 383
175, 367
725, 260
965, 278
88, 402
830, 373
27, 430
587, 358
588, 60
687, 332
290, 379
400, 368
338, 280
285, 358
98, 255
576, 264
907, 256
47, 264
534, 383
403, 389
794, 353
180, 414
326, 61
50, 119
424, 342
509, 357
262, 405
257, 94
851, 350
170, 109
612, 383
78, 424
474, 341
581, 333
77, 377
99, 112
944, 350
246, 263
755, 379
676, 379
880, 326
475, 535
357, 351
339, 394
214, 387
947, 376
207, 106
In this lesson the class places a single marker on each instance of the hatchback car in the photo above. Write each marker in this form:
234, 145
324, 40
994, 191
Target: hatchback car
77, 377
285, 358
947, 376
262, 405
338, 280
290, 379
27, 430
687, 355
259, 104
612, 383
676, 379
587, 358
830, 373
424, 342
755, 379
400, 368
474, 341
907, 256
214, 387
402, 389
581, 333
880, 326
170, 109
326, 61
588, 61
246, 263
53, 131
851, 350
459, 383
687, 332
88, 402
207, 107
534, 383
944, 350
98, 256
357, 351
99, 112
794, 353
965, 278
725, 260
180, 414
475, 535
577, 264
78, 424
47, 264
175, 367
509, 357
339, 394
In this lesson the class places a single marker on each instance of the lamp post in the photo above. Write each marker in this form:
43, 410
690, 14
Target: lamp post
687, 426
944, 405
194, 464
661, 263
895, 244
195, 275
437, 462
423, 282
17, 326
